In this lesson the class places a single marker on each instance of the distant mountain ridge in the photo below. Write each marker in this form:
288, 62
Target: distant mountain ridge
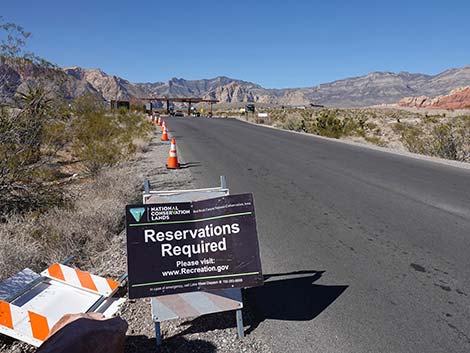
370, 89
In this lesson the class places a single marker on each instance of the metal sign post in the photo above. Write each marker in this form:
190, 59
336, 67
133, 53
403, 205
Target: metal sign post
196, 303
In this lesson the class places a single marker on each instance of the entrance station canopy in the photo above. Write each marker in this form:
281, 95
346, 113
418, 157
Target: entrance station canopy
181, 100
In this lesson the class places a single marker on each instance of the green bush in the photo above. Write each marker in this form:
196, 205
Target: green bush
295, 124
329, 125
413, 138
101, 139
26, 181
33, 137
96, 141
445, 142
450, 140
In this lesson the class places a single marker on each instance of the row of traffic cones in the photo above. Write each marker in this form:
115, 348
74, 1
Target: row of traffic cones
172, 162
156, 119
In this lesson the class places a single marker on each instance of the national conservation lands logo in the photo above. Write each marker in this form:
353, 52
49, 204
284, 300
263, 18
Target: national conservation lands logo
137, 213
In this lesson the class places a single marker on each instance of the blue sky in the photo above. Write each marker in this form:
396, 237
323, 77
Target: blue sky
274, 43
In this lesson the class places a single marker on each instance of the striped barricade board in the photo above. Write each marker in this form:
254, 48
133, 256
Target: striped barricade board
177, 306
81, 279
22, 324
30, 304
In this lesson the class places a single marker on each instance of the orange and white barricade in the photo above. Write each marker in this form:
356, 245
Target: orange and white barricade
31, 306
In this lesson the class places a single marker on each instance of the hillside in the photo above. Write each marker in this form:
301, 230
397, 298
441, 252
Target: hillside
110, 87
387, 87
370, 89
458, 98
15, 76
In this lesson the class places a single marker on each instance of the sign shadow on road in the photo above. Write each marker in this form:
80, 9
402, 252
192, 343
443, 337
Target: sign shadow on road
285, 296
295, 298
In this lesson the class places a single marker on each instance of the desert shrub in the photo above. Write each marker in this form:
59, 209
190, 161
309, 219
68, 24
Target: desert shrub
36, 226
371, 126
295, 123
431, 119
278, 116
306, 115
445, 142
86, 105
101, 139
328, 124
413, 138
352, 127
450, 140
96, 141
32, 136
25, 179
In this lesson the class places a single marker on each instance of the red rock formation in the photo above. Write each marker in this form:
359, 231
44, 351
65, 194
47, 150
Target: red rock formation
414, 102
458, 98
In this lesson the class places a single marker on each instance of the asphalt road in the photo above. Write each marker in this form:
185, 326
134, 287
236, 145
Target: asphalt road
382, 240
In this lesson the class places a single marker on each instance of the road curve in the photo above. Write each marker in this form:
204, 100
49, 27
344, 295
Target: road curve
367, 251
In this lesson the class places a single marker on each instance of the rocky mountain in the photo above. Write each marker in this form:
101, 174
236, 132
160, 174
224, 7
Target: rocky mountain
387, 87
371, 89
16, 76
110, 87
225, 89
458, 98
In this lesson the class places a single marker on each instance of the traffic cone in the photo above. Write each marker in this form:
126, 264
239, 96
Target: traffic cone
159, 121
165, 134
163, 126
172, 158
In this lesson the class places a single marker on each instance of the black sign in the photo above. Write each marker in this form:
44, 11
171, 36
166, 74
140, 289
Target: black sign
250, 108
190, 246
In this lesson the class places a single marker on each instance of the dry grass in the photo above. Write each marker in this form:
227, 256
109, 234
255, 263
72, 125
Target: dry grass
141, 145
85, 229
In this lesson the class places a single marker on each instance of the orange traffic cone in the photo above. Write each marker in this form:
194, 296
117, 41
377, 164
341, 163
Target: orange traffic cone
172, 158
163, 126
165, 134
159, 121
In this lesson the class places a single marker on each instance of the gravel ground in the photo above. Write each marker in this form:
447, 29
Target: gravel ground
205, 334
